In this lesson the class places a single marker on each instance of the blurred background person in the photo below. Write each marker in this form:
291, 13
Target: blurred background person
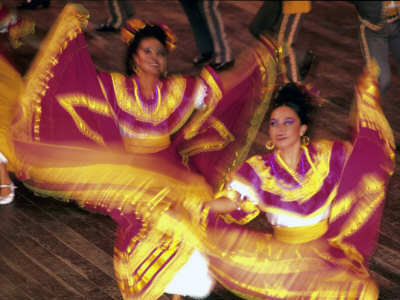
119, 11
379, 25
32, 4
266, 18
284, 19
209, 32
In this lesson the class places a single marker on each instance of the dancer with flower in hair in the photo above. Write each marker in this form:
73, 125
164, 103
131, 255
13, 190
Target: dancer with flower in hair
324, 200
147, 149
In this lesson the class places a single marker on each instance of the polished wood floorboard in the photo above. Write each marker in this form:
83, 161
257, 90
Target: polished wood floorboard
55, 250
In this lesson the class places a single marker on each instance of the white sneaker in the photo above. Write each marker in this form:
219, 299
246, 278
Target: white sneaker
10, 197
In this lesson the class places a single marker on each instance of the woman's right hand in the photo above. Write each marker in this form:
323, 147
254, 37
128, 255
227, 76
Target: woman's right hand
223, 205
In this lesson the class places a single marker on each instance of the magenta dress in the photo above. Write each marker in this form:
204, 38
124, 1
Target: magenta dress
153, 164
88, 136
325, 215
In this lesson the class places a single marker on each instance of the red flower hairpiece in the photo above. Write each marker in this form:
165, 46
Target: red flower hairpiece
133, 26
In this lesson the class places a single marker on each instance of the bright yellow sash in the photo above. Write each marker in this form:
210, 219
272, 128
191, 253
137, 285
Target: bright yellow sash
148, 145
300, 234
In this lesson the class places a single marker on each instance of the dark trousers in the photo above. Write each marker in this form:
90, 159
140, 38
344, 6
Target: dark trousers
208, 28
266, 18
376, 44
120, 11
285, 27
288, 30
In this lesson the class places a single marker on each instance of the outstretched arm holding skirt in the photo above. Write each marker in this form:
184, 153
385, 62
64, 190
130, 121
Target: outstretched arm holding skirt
67, 144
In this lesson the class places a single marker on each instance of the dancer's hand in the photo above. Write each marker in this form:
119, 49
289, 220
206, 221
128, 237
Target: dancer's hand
223, 205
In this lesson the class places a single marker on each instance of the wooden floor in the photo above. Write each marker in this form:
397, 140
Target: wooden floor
53, 250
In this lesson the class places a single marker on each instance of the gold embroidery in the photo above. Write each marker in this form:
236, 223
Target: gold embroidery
313, 179
149, 144
249, 208
373, 192
153, 264
246, 206
293, 173
324, 289
130, 103
69, 102
369, 112
150, 256
300, 234
203, 217
267, 66
369, 184
373, 195
371, 188
143, 108
71, 22
202, 115
207, 144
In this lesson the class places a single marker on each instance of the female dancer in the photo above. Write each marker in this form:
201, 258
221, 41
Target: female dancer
323, 199
122, 145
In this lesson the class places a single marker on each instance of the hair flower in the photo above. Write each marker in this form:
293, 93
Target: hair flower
171, 37
130, 28
133, 26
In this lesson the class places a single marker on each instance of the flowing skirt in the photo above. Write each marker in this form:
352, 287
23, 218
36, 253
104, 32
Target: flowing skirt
161, 207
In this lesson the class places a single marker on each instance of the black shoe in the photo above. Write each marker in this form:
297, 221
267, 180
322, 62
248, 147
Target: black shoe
310, 61
203, 58
222, 66
106, 28
34, 3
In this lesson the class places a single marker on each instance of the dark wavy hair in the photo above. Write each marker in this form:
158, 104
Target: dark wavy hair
153, 31
296, 97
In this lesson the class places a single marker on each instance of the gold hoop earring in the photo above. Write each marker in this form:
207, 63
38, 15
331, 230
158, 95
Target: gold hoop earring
136, 69
305, 140
165, 74
269, 145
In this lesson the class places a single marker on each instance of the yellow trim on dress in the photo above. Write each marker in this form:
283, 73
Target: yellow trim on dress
300, 234
246, 206
150, 144
167, 103
313, 179
370, 114
70, 102
249, 208
207, 144
70, 23
202, 115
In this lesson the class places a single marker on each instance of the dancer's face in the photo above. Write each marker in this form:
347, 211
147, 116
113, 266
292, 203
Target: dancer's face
151, 57
285, 128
